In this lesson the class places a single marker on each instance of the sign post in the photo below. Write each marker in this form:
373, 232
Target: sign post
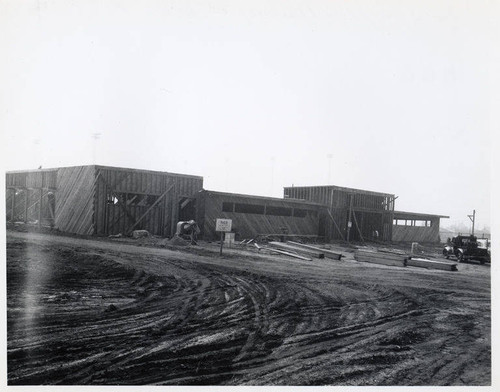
224, 226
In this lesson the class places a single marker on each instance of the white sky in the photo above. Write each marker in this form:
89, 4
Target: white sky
255, 95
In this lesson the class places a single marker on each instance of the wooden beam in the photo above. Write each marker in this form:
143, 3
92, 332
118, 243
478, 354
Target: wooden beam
349, 216
335, 223
357, 227
40, 210
310, 252
431, 264
173, 210
26, 206
12, 205
289, 254
123, 207
328, 253
375, 257
150, 208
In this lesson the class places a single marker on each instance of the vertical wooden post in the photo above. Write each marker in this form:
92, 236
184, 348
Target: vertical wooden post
349, 217
26, 191
40, 209
221, 241
173, 209
13, 205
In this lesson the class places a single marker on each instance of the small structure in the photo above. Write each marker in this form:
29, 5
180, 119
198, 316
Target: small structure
352, 214
416, 227
101, 200
256, 215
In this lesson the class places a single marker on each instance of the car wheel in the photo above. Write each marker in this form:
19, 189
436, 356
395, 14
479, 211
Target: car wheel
460, 257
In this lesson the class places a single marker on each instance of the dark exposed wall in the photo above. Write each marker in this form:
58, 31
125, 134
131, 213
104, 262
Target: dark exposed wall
258, 215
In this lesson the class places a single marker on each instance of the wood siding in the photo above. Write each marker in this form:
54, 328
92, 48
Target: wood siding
100, 199
370, 211
129, 199
75, 199
43, 178
248, 225
415, 234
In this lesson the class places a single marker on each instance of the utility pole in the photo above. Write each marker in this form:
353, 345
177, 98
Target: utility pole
473, 219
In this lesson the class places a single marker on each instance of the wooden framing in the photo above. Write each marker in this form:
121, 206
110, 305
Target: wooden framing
30, 196
100, 200
405, 229
369, 213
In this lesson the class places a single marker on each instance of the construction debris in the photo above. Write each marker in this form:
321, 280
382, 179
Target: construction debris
327, 252
385, 258
432, 264
288, 254
140, 233
287, 247
176, 241
400, 259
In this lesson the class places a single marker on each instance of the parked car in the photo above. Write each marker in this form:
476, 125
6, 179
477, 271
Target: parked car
467, 247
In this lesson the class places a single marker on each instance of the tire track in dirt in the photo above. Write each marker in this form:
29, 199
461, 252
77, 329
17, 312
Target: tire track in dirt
111, 318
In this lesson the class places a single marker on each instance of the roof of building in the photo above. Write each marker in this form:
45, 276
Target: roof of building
104, 167
340, 188
264, 198
415, 215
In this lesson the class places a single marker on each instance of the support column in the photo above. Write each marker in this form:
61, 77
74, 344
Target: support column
13, 205
40, 209
26, 191
349, 217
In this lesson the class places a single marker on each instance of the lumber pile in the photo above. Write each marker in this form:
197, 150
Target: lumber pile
432, 264
385, 258
327, 252
297, 249
294, 255
400, 259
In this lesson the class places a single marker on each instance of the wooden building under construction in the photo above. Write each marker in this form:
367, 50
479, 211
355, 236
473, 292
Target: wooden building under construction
257, 215
416, 227
101, 200
352, 214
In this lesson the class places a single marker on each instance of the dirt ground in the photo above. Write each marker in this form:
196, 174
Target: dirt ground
110, 312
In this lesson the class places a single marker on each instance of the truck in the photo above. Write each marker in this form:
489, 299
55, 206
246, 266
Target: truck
467, 247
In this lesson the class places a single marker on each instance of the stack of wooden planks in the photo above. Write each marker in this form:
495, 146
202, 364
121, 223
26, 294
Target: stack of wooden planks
385, 258
297, 249
400, 259
327, 252
432, 264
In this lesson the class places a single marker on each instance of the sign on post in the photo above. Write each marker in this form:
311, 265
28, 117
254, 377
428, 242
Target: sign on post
224, 226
